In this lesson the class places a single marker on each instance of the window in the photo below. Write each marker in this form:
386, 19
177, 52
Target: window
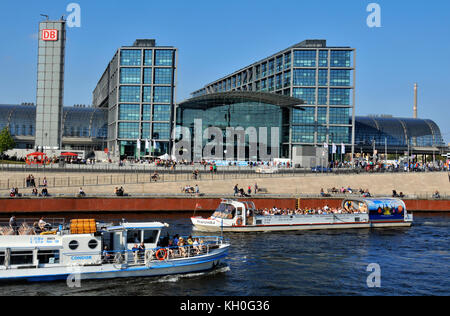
130, 75
340, 58
303, 134
92, 243
147, 94
150, 236
306, 94
148, 57
339, 116
129, 94
287, 61
162, 94
161, 112
128, 130
304, 77
163, 75
73, 245
48, 256
129, 112
161, 131
148, 76
323, 58
130, 57
340, 77
133, 236
323, 77
305, 58
304, 117
21, 257
146, 112
323, 97
322, 115
340, 96
163, 58
145, 131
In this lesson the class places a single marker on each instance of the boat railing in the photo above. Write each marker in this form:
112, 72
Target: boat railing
25, 225
145, 256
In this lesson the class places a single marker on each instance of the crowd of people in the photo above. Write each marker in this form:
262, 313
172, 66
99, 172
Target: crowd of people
307, 211
241, 193
343, 190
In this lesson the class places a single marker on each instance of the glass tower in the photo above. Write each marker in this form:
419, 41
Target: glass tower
324, 77
138, 88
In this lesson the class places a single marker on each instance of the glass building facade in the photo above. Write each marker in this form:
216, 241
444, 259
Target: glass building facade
82, 128
324, 77
263, 116
138, 89
396, 134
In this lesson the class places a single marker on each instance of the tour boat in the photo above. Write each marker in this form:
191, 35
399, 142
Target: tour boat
242, 216
82, 252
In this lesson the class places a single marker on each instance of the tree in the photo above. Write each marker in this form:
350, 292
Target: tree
6, 141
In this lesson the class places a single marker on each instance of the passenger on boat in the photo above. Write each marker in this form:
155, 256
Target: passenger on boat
36, 229
196, 246
106, 255
135, 251
43, 225
13, 225
182, 248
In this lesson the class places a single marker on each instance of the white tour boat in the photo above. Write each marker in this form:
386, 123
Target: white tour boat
83, 251
242, 216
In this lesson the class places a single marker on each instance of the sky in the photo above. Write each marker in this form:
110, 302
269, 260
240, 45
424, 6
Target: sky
216, 38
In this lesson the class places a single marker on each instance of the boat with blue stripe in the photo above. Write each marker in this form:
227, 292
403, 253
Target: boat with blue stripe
243, 216
137, 250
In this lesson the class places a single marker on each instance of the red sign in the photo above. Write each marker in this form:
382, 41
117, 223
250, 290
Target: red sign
49, 35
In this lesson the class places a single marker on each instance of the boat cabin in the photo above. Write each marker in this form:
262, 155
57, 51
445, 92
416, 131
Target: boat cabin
239, 213
64, 248
379, 209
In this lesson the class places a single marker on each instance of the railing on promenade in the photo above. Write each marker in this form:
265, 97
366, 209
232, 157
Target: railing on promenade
108, 174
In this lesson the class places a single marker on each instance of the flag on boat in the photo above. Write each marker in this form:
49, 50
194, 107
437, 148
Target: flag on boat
198, 205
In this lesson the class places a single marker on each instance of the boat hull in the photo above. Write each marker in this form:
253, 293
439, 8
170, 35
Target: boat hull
111, 271
203, 226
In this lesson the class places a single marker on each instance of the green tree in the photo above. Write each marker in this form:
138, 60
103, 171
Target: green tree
6, 141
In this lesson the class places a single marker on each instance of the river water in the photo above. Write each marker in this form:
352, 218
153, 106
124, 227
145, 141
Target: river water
411, 261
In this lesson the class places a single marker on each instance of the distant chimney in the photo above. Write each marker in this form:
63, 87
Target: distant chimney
415, 100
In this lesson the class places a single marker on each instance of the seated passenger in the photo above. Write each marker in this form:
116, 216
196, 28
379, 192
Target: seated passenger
182, 248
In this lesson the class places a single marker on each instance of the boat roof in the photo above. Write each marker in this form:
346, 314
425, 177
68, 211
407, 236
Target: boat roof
374, 202
143, 225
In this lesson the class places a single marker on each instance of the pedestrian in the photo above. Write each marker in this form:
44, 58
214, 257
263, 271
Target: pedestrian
236, 190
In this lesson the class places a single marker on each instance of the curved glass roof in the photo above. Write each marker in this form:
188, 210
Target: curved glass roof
397, 132
77, 122
232, 97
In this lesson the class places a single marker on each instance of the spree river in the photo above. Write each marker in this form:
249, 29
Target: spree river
411, 261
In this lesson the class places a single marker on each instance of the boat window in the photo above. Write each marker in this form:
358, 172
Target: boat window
73, 244
2, 258
92, 243
48, 256
134, 237
150, 236
21, 257
239, 211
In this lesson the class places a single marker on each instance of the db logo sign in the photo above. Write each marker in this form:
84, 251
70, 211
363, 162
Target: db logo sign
49, 35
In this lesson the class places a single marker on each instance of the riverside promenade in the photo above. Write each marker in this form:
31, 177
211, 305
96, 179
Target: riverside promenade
287, 191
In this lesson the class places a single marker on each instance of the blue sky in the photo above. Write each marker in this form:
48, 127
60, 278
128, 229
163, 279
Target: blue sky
215, 38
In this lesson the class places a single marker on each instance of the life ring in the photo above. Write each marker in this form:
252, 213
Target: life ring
164, 254
239, 221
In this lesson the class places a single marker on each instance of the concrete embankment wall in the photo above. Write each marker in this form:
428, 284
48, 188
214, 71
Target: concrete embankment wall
171, 204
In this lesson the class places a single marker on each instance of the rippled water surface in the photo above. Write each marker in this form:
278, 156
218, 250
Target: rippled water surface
413, 261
